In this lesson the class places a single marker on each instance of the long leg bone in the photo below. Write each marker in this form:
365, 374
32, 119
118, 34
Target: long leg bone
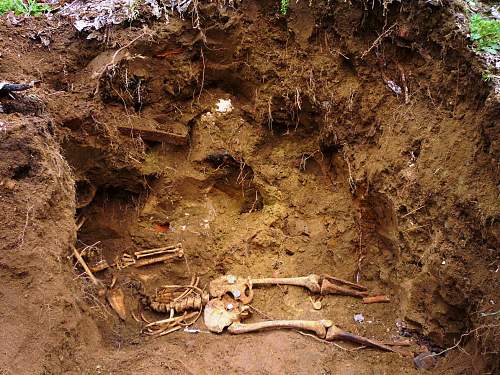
348, 284
318, 327
311, 282
226, 312
241, 289
328, 287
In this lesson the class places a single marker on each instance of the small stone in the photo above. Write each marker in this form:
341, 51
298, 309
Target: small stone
224, 106
424, 361
359, 318
8, 183
231, 279
236, 293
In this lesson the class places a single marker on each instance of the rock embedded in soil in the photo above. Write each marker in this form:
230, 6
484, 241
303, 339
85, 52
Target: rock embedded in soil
425, 361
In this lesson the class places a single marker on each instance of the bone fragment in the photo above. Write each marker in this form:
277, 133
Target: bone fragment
318, 327
164, 258
100, 266
240, 288
124, 261
316, 304
376, 299
329, 288
116, 299
161, 250
310, 282
335, 333
336, 280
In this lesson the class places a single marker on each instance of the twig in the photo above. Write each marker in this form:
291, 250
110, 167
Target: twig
460, 340
113, 62
413, 211
330, 342
21, 237
96, 282
352, 183
202, 74
405, 87
264, 315
415, 228
375, 43
490, 314
270, 114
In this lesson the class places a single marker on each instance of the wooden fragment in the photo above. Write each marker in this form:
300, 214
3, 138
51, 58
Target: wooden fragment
376, 299
154, 135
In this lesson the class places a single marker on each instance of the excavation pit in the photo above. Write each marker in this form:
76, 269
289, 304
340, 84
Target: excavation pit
338, 140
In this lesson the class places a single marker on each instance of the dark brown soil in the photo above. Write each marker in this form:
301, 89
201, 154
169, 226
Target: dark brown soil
319, 168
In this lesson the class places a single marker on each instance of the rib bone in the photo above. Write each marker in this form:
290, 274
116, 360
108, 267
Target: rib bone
310, 282
318, 327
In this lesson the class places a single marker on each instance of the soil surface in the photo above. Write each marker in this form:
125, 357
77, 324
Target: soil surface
341, 139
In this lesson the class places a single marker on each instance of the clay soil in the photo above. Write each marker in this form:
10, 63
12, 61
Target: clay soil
318, 168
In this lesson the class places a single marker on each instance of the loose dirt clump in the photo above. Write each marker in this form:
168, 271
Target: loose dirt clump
345, 138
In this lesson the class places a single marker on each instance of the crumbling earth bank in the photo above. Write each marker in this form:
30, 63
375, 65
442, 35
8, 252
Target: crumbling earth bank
319, 168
